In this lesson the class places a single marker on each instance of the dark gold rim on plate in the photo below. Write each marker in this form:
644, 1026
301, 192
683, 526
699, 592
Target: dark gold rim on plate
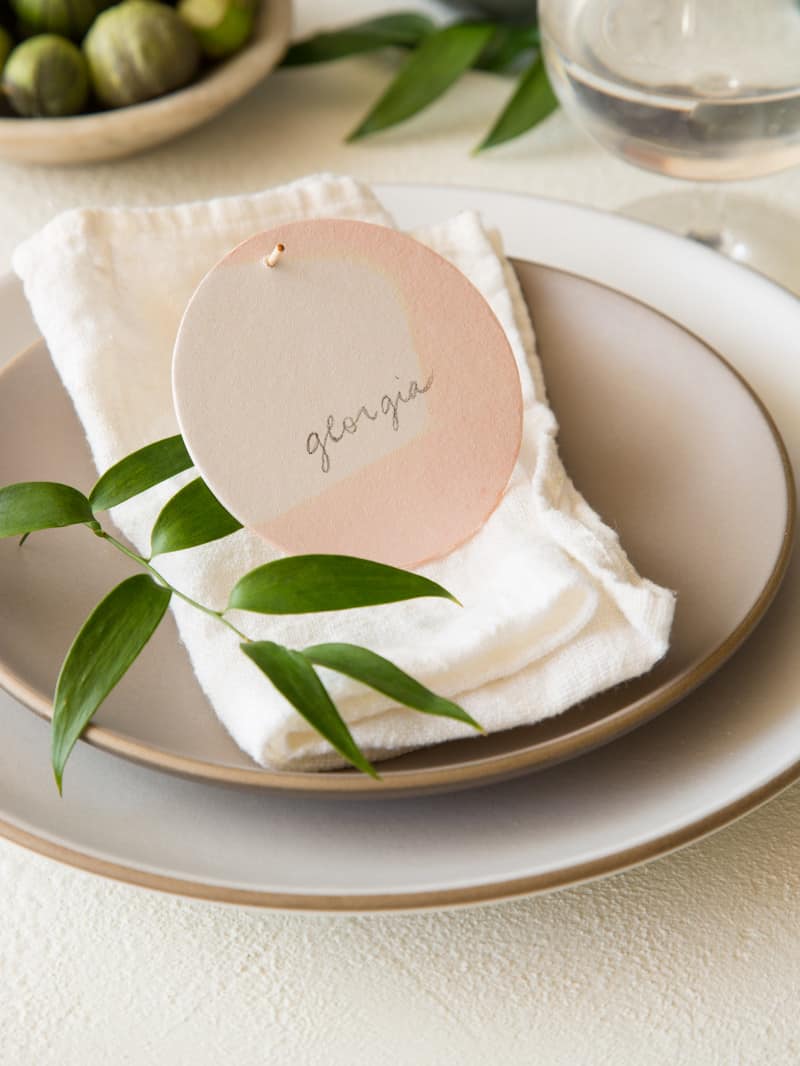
477, 771
437, 899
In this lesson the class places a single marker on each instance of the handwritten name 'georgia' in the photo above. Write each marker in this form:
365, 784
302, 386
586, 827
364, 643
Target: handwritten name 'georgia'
390, 405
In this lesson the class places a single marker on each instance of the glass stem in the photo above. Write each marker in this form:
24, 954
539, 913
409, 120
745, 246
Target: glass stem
707, 221
688, 18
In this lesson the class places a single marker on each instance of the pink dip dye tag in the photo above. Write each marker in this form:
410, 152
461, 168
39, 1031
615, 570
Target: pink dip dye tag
358, 397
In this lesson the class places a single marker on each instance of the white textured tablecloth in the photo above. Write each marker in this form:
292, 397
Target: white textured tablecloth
693, 959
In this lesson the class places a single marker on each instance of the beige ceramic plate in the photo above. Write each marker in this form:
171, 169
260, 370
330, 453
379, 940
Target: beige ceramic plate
111, 134
726, 748
660, 434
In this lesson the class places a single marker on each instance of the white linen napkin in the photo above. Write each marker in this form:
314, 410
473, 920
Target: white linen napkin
553, 610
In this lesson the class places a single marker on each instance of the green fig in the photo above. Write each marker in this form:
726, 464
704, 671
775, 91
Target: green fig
69, 18
6, 44
221, 26
46, 76
137, 50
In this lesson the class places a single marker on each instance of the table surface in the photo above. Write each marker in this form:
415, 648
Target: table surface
694, 958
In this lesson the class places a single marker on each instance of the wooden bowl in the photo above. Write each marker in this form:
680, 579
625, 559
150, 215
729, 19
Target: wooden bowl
111, 134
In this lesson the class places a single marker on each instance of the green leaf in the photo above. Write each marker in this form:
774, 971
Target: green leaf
381, 674
299, 584
507, 45
532, 101
140, 471
193, 516
32, 505
111, 638
403, 30
440, 59
294, 676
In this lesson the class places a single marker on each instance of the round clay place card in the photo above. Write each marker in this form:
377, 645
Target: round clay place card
342, 388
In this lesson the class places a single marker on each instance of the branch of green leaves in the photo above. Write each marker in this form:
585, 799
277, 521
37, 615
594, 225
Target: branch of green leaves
120, 626
438, 57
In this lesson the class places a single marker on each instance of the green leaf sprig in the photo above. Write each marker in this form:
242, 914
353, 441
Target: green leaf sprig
435, 64
438, 57
118, 629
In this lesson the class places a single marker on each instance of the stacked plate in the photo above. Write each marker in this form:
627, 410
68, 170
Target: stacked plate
643, 338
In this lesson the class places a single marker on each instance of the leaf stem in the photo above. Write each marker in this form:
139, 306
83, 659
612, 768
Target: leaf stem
220, 617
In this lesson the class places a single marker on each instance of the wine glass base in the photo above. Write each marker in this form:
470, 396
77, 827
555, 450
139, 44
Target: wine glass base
752, 233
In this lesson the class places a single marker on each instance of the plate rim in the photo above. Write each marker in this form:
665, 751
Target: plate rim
398, 902
480, 771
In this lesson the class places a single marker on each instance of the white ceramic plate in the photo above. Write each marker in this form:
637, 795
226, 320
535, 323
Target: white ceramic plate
720, 752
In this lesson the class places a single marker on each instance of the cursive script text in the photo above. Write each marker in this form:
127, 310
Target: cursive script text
390, 406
